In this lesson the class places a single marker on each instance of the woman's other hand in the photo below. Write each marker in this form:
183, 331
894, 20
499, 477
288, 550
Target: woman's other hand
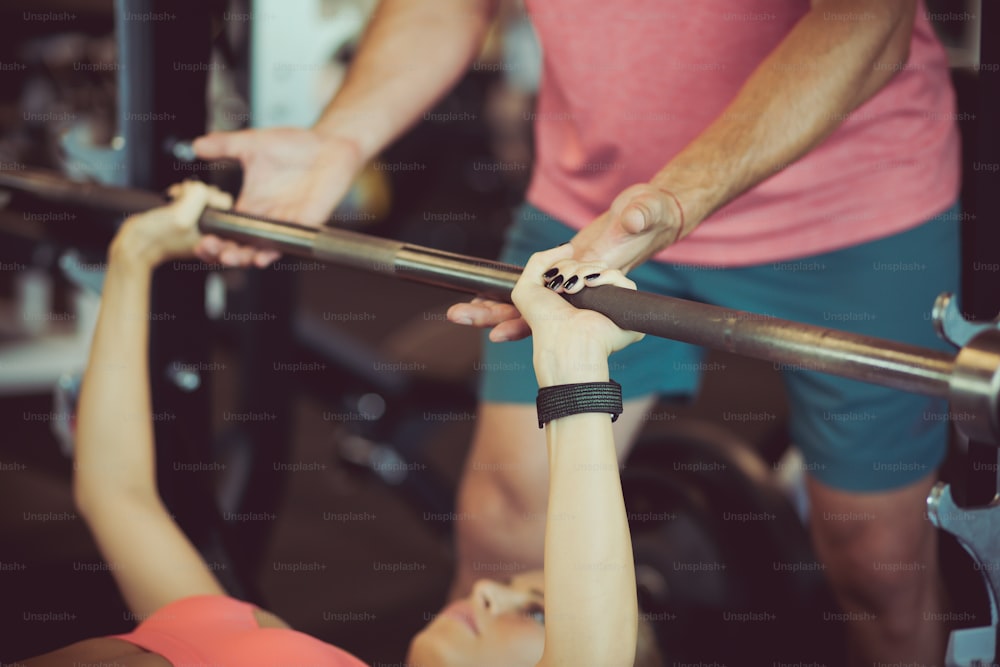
170, 231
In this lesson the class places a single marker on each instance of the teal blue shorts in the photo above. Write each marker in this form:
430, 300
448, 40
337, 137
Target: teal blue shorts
854, 436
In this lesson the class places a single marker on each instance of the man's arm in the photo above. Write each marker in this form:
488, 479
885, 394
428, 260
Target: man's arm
410, 56
413, 53
839, 55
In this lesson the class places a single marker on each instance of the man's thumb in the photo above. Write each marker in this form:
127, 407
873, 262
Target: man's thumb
640, 214
217, 145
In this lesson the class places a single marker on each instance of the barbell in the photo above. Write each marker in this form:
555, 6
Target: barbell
970, 379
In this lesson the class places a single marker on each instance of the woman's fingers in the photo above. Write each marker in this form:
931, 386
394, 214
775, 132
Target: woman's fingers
569, 276
191, 197
609, 277
219, 199
541, 262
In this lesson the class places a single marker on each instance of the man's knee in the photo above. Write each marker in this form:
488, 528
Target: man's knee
872, 569
880, 554
500, 523
504, 487
892, 591
507, 463
496, 500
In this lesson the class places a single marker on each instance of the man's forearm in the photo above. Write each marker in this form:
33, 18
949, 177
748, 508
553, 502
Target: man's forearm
411, 55
836, 58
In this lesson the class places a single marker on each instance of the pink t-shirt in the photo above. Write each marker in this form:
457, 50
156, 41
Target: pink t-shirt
626, 85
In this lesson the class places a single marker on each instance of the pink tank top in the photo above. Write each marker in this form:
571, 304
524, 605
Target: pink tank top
626, 85
219, 631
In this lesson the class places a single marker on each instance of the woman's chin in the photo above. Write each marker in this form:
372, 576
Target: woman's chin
448, 643
430, 648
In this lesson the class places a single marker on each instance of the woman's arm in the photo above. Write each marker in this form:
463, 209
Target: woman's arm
114, 479
591, 612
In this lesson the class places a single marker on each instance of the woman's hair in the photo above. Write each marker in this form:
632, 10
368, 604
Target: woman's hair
647, 648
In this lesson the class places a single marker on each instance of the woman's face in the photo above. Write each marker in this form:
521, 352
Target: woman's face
498, 625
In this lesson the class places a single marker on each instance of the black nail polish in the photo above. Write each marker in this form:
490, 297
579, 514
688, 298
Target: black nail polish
555, 282
592, 276
550, 273
570, 283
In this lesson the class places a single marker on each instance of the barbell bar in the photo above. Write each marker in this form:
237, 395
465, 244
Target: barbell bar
970, 379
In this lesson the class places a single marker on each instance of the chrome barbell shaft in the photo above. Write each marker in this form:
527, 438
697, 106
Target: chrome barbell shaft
783, 342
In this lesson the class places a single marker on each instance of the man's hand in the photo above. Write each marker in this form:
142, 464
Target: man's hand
642, 220
290, 174
506, 322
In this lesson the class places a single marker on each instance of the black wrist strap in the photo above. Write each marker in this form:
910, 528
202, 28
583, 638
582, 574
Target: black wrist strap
564, 400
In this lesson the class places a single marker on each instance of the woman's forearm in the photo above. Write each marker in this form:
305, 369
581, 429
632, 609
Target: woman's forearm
114, 442
591, 606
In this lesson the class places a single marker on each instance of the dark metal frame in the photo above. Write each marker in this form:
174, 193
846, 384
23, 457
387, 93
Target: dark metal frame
162, 88
981, 243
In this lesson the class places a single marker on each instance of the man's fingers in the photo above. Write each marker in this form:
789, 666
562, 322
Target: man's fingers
245, 255
236, 255
213, 250
203, 255
510, 330
211, 245
299, 212
460, 313
216, 145
264, 258
482, 314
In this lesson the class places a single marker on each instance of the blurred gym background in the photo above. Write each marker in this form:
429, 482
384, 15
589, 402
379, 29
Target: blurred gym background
343, 509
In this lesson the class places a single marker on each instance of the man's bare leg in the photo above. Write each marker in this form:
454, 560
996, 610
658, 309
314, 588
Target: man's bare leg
881, 557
